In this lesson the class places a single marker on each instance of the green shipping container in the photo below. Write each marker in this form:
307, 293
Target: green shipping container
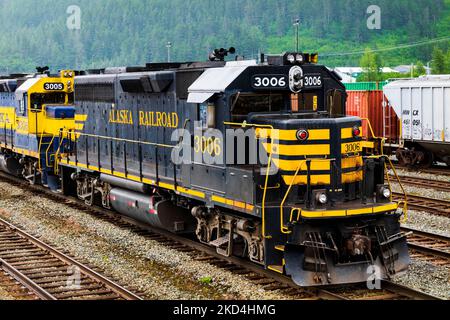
365, 86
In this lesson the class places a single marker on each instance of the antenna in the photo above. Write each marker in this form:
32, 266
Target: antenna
297, 25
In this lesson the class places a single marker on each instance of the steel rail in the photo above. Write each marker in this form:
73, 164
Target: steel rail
436, 206
25, 281
209, 255
426, 183
114, 287
415, 242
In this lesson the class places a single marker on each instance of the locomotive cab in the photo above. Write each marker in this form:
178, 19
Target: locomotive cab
327, 215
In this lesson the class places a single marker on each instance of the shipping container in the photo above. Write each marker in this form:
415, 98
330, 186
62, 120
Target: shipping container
365, 86
373, 105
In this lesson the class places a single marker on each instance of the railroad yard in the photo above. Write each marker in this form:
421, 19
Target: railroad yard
120, 259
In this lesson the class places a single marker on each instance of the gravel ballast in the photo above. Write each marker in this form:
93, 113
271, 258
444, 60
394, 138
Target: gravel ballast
164, 273
160, 272
428, 278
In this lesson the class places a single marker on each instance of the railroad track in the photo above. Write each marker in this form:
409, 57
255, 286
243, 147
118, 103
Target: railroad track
49, 274
270, 281
429, 247
436, 206
442, 171
426, 183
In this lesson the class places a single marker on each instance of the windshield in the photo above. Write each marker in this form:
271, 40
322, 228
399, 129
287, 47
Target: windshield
40, 99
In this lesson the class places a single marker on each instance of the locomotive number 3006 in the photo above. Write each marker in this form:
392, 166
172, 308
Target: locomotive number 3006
276, 81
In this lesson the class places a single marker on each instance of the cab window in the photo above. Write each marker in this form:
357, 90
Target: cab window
335, 103
304, 102
40, 99
244, 104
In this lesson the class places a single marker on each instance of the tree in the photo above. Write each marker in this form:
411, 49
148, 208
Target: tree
371, 65
447, 62
438, 63
419, 69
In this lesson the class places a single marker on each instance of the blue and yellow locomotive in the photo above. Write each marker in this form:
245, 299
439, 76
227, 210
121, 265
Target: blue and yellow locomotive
257, 159
34, 109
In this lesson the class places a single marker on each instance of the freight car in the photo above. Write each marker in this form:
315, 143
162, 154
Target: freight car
367, 101
33, 110
258, 160
423, 105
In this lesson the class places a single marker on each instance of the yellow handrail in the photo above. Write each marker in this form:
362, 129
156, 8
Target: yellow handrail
56, 166
120, 139
46, 151
284, 229
244, 125
39, 152
405, 202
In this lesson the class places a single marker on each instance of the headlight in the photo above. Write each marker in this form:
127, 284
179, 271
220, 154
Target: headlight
386, 193
299, 58
323, 199
291, 58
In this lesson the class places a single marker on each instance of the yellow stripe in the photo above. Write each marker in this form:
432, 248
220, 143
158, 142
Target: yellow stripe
352, 162
135, 178
233, 203
191, 192
292, 165
351, 177
291, 135
21, 151
389, 207
299, 150
359, 211
81, 117
368, 144
302, 180
322, 214
353, 212
347, 133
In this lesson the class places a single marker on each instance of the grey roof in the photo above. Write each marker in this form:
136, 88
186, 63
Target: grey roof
216, 80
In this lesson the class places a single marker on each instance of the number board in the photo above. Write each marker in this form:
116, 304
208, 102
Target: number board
350, 148
274, 82
53, 86
312, 81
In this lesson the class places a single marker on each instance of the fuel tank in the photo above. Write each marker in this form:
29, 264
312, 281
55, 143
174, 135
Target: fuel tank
152, 210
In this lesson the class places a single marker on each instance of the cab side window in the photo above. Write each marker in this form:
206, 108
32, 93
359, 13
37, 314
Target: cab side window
23, 105
336, 103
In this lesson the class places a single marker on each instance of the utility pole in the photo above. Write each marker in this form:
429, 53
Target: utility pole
297, 25
429, 68
168, 46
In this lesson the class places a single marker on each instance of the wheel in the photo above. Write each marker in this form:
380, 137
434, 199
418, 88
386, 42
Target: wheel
428, 160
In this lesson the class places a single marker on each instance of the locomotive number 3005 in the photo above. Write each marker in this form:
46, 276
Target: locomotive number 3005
51, 86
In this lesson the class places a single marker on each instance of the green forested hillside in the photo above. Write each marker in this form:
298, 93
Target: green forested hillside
128, 32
